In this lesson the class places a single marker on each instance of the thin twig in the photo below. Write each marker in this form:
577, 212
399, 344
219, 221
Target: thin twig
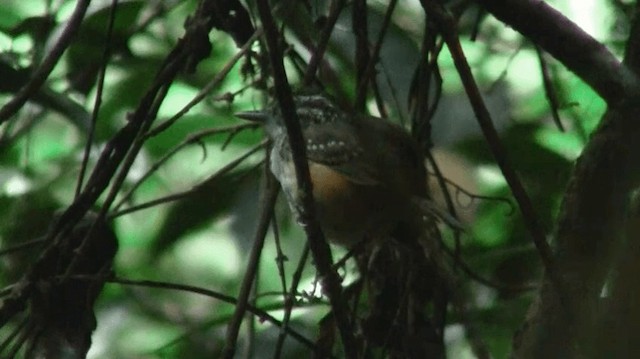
289, 300
360, 26
98, 100
426, 87
263, 315
450, 206
21, 246
220, 76
549, 89
488, 282
270, 193
281, 257
318, 53
193, 138
176, 196
473, 196
369, 71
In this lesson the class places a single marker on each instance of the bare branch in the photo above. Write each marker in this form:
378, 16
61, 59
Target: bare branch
270, 193
553, 32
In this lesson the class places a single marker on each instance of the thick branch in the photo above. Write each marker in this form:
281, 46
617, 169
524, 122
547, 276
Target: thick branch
557, 35
593, 213
632, 53
589, 237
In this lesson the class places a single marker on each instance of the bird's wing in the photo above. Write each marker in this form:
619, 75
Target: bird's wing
337, 146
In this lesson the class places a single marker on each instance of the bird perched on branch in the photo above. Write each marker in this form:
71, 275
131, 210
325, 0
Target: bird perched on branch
365, 171
369, 184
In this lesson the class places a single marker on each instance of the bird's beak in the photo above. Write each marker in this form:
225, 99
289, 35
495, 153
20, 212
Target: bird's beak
254, 116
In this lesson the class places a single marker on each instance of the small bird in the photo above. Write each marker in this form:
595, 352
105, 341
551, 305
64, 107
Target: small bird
370, 185
365, 171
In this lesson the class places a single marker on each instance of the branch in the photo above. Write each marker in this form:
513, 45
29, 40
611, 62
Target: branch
289, 300
49, 62
270, 194
180, 195
590, 235
262, 314
632, 53
578, 51
368, 73
208, 88
114, 162
447, 27
327, 30
319, 247
97, 103
360, 27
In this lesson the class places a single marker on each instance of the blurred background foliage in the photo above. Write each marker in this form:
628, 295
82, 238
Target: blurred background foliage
204, 236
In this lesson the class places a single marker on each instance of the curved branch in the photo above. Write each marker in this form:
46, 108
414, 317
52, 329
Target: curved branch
593, 216
261, 313
586, 57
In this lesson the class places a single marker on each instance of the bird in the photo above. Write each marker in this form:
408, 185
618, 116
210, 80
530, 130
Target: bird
365, 171
369, 185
